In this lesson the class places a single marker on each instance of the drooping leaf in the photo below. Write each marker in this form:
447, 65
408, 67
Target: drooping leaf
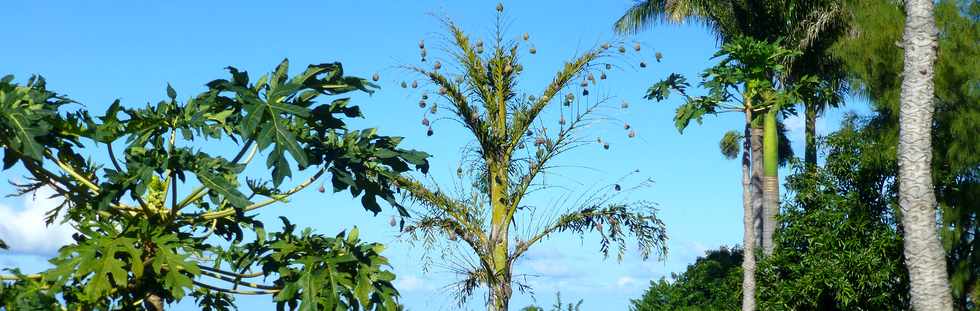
223, 187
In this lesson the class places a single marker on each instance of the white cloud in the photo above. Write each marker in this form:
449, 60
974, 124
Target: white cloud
550, 268
409, 283
625, 281
549, 263
24, 230
696, 248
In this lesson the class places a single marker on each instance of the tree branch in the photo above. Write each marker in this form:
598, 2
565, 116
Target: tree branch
112, 157
460, 104
232, 274
200, 191
237, 291
647, 229
78, 177
277, 198
238, 281
453, 208
12, 277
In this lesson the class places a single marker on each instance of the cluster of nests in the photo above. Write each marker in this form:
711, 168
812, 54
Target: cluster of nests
568, 100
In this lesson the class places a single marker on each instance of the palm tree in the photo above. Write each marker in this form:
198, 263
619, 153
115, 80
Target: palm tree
924, 255
814, 30
739, 83
512, 150
804, 25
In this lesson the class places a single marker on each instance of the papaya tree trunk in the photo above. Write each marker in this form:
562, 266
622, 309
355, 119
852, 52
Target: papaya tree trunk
153, 302
756, 182
770, 180
924, 254
748, 220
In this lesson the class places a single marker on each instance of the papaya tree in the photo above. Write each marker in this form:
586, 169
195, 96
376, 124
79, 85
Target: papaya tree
741, 82
513, 149
171, 213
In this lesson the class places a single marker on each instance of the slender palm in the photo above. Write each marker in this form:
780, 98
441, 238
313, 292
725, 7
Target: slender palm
480, 222
814, 29
924, 255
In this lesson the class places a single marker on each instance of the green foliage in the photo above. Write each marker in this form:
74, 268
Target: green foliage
29, 115
838, 247
23, 292
731, 144
712, 282
661, 90
133, 244
741, 81
326, 273
209, 300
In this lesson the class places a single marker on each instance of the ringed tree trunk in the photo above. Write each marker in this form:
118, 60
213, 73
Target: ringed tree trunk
748, 220
924, 255
770, 181
756, 182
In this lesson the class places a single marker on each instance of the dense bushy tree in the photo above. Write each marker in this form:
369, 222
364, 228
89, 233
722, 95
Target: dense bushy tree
839, 247
710, 283
840, 250
171, 213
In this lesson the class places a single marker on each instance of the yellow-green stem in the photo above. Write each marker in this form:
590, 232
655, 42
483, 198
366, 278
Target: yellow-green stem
770, 143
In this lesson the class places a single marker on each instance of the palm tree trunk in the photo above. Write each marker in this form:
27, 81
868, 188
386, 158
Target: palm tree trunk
500, 293
770, 181
924, 255
500, 290
748, 221
756, 183
810, 129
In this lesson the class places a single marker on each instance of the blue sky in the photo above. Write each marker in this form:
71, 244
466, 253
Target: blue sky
97, 52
